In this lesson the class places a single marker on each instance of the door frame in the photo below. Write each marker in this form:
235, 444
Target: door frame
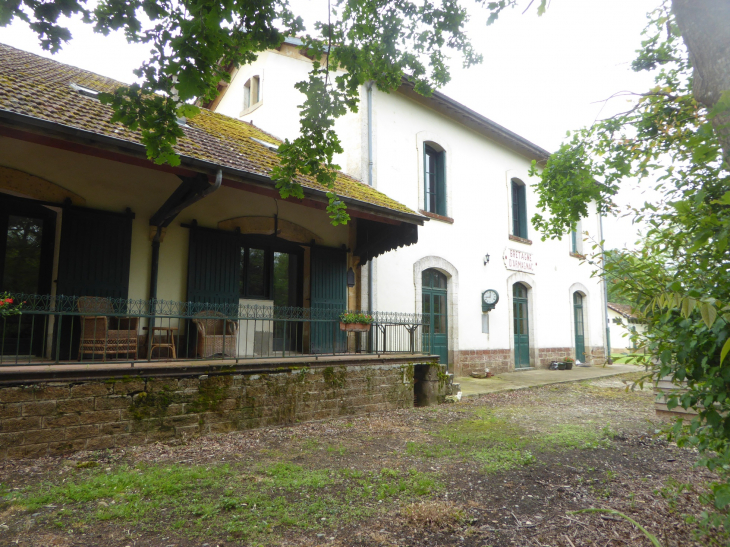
515, 301
529, 282
437, 292
582, 358
452, 288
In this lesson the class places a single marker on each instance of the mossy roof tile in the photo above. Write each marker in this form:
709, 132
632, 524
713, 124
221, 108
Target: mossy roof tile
40, 87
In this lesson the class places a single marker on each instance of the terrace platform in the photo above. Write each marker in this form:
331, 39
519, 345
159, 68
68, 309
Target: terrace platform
74, 371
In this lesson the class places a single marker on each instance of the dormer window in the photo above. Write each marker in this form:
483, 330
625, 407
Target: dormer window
251, 93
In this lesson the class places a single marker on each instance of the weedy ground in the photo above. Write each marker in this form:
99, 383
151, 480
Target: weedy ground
502, 469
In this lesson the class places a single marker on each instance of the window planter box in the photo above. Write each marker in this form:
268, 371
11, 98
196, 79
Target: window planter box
354, 327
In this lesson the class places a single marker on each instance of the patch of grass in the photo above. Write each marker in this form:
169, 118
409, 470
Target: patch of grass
496, 439
338, 449
491, 440
574, 436
502, 459
226, 499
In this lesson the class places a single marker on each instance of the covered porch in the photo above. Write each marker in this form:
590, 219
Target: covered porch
85, 331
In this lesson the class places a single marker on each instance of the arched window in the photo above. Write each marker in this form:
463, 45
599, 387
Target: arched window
519, 209
251, 92
434, 160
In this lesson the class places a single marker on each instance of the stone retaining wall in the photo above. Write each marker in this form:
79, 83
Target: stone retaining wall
50, 418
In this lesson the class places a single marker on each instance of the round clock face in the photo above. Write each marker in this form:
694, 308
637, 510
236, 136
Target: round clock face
490, 296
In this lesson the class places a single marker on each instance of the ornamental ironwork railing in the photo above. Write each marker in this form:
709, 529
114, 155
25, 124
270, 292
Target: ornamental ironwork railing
70, 329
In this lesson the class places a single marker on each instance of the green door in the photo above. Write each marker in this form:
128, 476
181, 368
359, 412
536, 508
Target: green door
580, 346
435, 329
329, 299
522, 326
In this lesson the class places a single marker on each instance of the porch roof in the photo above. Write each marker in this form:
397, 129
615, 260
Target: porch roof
40, 88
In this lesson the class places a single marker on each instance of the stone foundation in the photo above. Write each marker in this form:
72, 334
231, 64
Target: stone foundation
502, 360
47, 418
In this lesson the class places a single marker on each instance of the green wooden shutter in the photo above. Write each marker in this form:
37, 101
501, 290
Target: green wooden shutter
519, 210
329, 298
95, 253
425, 177
214, 267
441, 184
523, 211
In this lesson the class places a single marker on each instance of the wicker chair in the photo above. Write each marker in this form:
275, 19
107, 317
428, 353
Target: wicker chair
104, 335
211, 338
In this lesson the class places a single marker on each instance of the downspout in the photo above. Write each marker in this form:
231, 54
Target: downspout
605, 293
369, 87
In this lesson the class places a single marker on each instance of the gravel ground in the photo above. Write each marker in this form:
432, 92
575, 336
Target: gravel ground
608, 457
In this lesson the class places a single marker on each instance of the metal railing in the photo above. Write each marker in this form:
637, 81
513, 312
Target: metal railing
72, 330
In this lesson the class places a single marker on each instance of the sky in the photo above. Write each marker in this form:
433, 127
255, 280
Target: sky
541, 76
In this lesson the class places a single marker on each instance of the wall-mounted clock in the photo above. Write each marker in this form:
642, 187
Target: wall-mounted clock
490, 297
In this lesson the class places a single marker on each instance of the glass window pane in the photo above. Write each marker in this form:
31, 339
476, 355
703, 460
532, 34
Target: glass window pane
426, 304
23, 255
285, 279
426, 278
256, 272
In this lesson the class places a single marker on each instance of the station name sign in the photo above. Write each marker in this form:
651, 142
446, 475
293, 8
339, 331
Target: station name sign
519, 261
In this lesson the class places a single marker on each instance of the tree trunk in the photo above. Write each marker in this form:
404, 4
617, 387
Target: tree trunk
705, 28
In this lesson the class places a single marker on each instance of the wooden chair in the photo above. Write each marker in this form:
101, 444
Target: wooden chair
101, 334
211, 337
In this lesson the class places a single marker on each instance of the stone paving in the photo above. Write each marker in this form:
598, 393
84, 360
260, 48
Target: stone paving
508, 381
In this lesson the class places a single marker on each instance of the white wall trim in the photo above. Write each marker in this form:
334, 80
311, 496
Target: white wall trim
452, 294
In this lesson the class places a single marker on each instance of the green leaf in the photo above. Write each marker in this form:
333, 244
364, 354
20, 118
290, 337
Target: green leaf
725, 350
722, 495
709, 313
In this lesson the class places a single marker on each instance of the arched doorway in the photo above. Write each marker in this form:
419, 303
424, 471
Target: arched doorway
522, 326
435, 314
580, 342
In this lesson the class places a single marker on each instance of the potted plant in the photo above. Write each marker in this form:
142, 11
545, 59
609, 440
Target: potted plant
355, 322
9, 306
569, 363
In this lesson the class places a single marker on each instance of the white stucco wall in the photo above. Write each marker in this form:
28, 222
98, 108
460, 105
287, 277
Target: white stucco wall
278, 72
620, 341
478, 175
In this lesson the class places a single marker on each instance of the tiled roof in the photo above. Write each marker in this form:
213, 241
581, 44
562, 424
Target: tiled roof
35, 86
623, 309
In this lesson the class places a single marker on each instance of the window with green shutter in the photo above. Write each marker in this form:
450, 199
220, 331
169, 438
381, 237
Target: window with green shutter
519, 209
434, 180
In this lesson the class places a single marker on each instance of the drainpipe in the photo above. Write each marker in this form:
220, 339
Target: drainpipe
369, 87
605, 293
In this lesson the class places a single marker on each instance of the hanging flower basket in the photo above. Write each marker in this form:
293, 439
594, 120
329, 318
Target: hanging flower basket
354, 327
355, 322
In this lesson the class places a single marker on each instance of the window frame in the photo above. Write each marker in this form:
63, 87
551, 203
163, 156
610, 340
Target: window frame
518, 198
269, 246
253, 83
439, 176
